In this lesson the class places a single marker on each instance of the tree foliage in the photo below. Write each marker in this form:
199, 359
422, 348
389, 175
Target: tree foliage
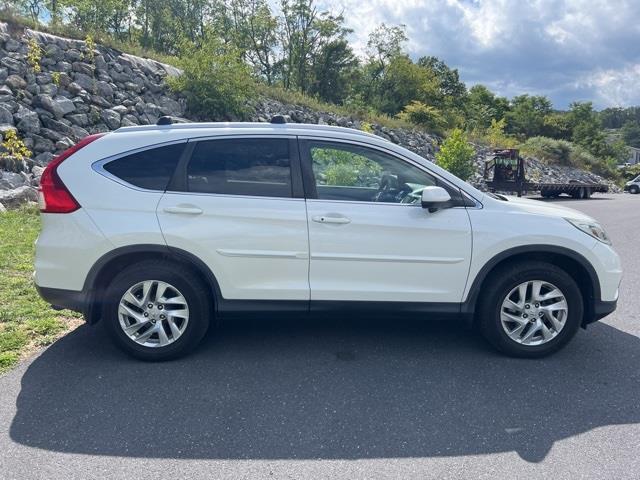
456, 155
215, 81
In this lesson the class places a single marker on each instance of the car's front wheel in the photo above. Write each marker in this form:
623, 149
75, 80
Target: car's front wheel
157, 311
530, 309
634, 189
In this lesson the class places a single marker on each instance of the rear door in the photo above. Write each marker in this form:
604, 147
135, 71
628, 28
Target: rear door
237, 204
370, 239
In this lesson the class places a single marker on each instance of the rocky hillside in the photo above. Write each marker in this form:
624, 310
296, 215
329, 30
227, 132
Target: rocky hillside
55, 95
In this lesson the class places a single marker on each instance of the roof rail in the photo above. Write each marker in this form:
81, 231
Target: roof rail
182, 124
169, 120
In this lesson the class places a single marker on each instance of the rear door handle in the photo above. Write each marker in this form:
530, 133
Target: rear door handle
184, 210
331, 219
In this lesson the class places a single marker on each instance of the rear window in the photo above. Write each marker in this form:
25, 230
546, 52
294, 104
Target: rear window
243, 166
150, 169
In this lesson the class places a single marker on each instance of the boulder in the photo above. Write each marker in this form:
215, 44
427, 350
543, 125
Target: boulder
43, 158
86, 82
18, 196
27, 121
11, 180
79, 119
59, 106
6, 117
16, 82
111, 118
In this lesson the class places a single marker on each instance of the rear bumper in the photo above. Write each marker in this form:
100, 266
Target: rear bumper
64, 299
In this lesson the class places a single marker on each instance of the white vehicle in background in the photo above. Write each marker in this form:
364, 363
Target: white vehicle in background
633, 186
155, 230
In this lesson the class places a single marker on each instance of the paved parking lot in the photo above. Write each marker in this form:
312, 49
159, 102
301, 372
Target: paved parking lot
338, 398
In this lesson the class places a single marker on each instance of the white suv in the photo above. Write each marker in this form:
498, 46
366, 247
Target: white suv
158, 229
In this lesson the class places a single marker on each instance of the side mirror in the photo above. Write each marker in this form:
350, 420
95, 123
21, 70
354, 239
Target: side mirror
434, 198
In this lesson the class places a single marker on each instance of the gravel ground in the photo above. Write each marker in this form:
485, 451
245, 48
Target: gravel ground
338, 398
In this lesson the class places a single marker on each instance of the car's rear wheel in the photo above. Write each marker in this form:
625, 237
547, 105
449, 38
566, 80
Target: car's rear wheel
530, 309
157, 311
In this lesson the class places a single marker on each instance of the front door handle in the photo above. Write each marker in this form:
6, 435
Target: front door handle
184, 210
331, 219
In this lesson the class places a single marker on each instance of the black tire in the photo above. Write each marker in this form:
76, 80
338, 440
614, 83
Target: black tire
194, 291
634, 189
578, 194
587, 193
501, 282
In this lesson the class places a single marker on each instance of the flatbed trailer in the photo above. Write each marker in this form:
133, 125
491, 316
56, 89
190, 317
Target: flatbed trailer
504, 171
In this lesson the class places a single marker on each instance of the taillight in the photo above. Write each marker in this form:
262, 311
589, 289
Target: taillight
53, 195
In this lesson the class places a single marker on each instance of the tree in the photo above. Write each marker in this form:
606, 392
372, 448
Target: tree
557, 125
108, 16
386, 43
215, 82
456, 155
304, 34
402, 82
631, 134
527, 114
255, 30
334, 71
449, 81
482, 106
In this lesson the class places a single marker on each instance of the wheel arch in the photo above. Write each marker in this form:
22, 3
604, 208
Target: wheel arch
107, 266
577, 266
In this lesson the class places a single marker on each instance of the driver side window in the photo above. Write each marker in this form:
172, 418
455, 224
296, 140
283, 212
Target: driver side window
348, 172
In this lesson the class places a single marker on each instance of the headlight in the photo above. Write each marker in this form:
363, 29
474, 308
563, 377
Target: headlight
590, 228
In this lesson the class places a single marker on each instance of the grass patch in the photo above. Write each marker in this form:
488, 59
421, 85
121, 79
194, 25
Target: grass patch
296, 98
26, 321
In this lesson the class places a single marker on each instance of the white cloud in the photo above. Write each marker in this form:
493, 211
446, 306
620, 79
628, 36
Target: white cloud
615, 87
566, 49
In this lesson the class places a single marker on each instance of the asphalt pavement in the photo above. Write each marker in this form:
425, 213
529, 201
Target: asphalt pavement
338, 398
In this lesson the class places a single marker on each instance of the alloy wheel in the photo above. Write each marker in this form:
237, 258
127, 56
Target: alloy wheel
153, 313
534, 313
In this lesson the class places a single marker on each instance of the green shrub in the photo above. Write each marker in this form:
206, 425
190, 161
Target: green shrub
423, 115
90, 45
456, 155
34, 55
215, 82
13, 152
496, 137
557, 152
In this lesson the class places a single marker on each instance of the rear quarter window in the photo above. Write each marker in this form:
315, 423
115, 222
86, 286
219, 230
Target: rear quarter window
150, 169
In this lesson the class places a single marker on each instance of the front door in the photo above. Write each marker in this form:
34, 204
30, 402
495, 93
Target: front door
235, 207
370, 239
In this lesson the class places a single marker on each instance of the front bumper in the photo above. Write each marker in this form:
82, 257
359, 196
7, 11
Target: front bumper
600, 310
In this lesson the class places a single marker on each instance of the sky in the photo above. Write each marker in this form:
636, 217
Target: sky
568, 50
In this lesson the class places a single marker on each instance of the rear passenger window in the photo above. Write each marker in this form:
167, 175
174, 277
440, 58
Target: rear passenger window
243, 166
151, 169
